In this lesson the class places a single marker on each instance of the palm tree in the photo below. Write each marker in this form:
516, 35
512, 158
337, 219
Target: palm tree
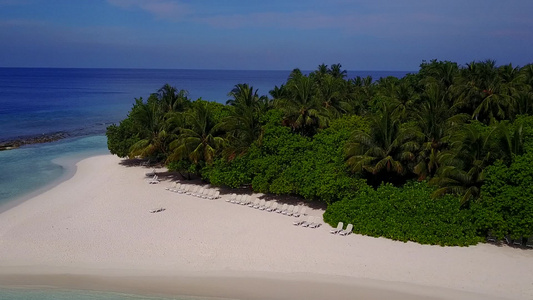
243, 124
443, 73
463, 166
172, 99
509, 141
148, 119
386, 150
333, 94
201, 139
486, 91
435, 120
244, 96
361, 92
302, 109
337, 72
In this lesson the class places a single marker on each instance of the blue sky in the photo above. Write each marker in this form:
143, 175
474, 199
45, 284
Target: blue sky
275, 34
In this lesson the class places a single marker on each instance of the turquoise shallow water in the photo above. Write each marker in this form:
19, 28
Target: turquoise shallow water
34, 167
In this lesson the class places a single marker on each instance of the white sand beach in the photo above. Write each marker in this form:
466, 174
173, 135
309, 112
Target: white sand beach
94, 231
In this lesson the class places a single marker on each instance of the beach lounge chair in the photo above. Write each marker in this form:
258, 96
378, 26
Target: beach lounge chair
237, 199
232, 197
282, 209
176, 188
316, 223
184, 188
199, 192
529, 242
301, 213
206, 193
216, 195
266, 205
299, 221
245, 200
273, 207
309, 221
347, 231
150, 174
338, 229
155, 180
517, 242
295, 211
260, 204
289, 210
253, 203
192, 190
157, 210
172, 187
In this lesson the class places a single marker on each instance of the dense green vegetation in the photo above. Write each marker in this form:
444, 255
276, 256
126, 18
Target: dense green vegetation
442, 156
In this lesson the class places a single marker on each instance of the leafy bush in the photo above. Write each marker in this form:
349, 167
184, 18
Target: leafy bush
505, 207
406, 214
120, 138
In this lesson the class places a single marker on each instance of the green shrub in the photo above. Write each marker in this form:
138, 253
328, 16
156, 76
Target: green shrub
506, 207
406, 214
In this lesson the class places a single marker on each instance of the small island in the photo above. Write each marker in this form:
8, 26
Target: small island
441, 156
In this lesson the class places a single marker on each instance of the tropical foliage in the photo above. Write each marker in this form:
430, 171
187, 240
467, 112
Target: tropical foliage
439, 156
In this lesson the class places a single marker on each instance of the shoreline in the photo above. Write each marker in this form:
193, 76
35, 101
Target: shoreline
95, 228
238, 286
64, 157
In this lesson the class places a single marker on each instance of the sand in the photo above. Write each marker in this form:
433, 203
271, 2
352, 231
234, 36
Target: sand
94, 231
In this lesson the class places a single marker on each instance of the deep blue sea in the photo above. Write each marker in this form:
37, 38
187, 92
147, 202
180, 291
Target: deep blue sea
81, 103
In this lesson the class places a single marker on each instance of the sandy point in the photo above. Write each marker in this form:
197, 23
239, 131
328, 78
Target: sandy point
95, 231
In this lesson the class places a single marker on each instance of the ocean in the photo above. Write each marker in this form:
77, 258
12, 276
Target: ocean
82, 103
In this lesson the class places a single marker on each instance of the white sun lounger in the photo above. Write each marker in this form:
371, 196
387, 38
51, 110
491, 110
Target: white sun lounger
266, 205
177, 187
530, 242
157, 210
273, 207
184, 188
150, 174
289, 210
282, 209
347, 231
199, 192
253, 203
301, 213
232, 197
216, 195
237, 199
260, 204
316, 223
206, 193
192, 190
299, 221
154, 180
309, 221
338, 229
295, 211
171, 188
245, 200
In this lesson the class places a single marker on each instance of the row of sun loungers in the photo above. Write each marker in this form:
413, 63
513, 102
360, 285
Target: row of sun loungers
270, 206
340, 230
311, 222
195, 190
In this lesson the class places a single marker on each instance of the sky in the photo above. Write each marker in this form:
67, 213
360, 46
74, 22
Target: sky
387, 35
